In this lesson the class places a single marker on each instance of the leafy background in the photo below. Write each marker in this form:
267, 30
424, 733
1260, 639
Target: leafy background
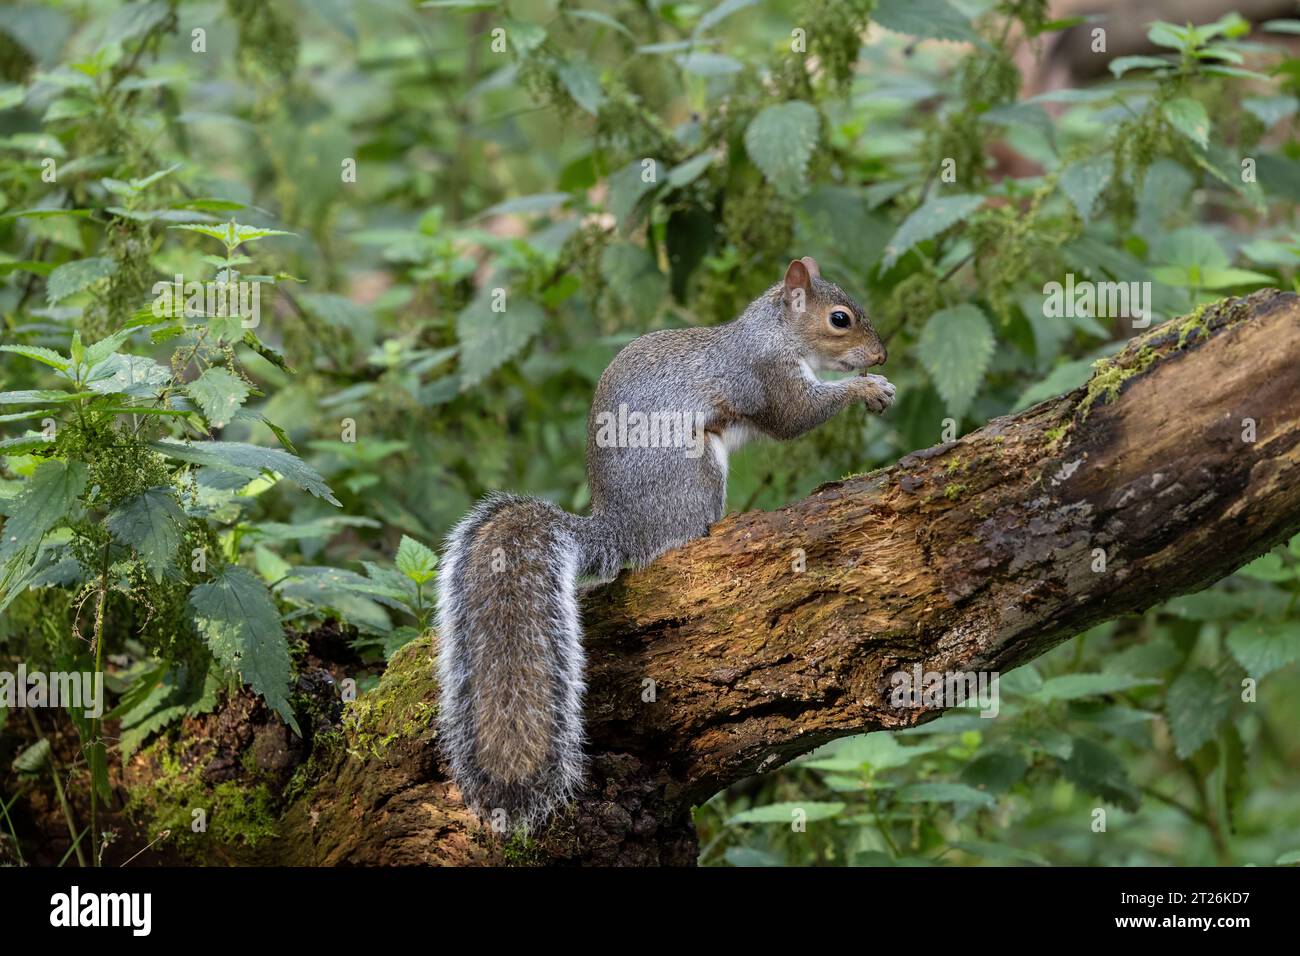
613, 168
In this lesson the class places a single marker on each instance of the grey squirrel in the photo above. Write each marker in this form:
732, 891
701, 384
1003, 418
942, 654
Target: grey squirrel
510, 658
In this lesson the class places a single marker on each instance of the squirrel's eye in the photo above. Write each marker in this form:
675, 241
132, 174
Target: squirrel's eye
841, 319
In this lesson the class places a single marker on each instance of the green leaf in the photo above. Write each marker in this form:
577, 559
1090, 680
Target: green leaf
719, 13
1095, 770
1262, 647
629, 188
1188, 116
73, 277
1197, 703
1268, 567
633, 277
249, 460
415, 560
686, 173
489, 339
878, 751
219, 393
937, 214
105, 347
996, 771
604, 19
583, 84
955, 347
132, 375
1122, 64
46, 500
34, 759
1084, 182
780, 140
231, 233
1291, 857
236, 616
999, 851
944, 793
152, 523
35, 396
708, 64
40, 354
133, 20
788, 813
932, 19
1076, 686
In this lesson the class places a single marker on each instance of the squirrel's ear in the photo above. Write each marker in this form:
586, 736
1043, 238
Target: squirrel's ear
813, 269
797, 276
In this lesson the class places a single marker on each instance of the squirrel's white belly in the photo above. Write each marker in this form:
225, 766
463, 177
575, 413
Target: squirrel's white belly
728, 440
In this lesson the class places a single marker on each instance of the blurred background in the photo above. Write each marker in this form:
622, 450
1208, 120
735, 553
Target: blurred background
627, 165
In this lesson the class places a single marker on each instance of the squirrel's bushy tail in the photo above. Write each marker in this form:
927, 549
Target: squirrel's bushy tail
510, 657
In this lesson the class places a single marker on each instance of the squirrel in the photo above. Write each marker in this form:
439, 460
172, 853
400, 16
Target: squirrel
510, 659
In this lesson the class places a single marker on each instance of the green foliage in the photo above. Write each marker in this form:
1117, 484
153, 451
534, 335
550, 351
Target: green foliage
515, 217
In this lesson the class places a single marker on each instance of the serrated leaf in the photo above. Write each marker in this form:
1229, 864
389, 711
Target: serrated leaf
105, 347
73, 277
1262, 647
248, 460
935, 215
1097, 771
219, 393
1083, 182
932, 19
1188, 116
152, 523
489, 339
955, 347
231, 233
1197, 703
46, 500
415, 560
237, 618
780, 140
39, 354
132, 375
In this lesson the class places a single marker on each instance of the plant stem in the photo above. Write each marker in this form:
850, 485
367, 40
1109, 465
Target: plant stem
58, 790
95, 743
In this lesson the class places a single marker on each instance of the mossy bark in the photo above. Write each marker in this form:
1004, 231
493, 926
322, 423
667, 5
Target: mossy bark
779, 631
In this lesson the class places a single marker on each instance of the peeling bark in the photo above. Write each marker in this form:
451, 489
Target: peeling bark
973, 555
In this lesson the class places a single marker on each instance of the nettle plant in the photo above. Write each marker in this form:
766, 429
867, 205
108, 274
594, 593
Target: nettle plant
123, 513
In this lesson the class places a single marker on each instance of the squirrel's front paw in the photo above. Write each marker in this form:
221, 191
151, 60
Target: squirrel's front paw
877, 392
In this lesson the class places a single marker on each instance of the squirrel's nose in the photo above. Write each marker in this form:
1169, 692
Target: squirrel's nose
877, 355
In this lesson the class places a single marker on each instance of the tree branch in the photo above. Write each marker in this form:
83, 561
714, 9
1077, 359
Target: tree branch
1178, 463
